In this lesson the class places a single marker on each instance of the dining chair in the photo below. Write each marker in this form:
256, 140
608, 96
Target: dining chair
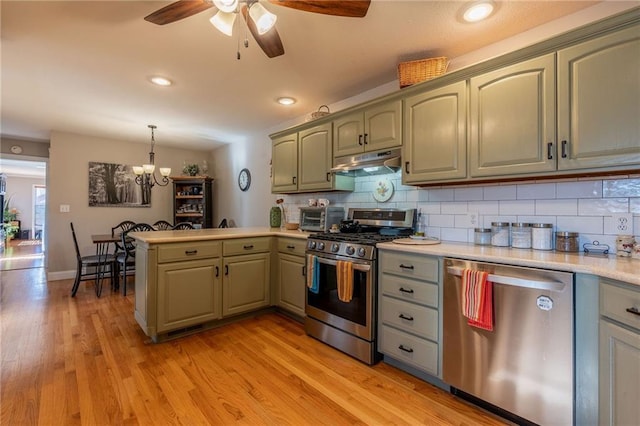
92, 267
162, 225
119, 229
126, 261
183, 225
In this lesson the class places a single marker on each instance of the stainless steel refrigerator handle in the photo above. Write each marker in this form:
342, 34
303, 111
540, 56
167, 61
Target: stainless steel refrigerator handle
513, 281
356, 266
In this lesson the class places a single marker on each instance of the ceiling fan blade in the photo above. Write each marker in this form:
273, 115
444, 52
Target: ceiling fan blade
348, 8
177, 11
269, 42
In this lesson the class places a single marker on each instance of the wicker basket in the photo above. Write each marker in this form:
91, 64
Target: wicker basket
320, 113
413, 72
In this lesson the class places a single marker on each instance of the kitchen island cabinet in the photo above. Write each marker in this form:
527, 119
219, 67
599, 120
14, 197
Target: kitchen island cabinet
290, 285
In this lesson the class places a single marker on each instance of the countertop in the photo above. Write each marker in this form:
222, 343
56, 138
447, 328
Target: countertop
618, 268
160, 237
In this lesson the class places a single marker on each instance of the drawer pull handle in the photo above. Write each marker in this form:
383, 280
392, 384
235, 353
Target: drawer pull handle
564, 149
248, 247
404, 290
403, 266
291, 247
633, 311
190, 252
402, 348
226, 269
404, 317
360, 140
217, 272
550, 151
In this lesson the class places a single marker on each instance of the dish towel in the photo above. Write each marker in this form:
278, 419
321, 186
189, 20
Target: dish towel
344, 271
313, 273
477, 299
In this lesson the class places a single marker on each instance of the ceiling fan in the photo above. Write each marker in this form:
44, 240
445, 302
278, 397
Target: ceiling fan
260, 21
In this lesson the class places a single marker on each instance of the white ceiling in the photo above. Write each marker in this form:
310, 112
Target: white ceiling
82, 66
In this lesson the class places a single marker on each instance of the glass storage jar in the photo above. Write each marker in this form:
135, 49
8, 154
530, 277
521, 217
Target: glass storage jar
482, 236
541, 236
500, 234
567, 241
521, 235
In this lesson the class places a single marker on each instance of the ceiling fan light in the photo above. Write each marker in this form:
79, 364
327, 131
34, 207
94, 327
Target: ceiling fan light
478, 11
223, 21
227, 6
263, 19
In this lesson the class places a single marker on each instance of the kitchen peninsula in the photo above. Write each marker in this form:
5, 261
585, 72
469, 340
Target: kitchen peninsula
188, 280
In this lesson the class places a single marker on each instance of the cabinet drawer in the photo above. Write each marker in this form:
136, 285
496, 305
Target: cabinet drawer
410, 265
413, 318
410, 290
188, 251
615, 300
409, 349
246, 246
292, 246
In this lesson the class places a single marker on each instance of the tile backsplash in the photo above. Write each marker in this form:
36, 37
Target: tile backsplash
593, 207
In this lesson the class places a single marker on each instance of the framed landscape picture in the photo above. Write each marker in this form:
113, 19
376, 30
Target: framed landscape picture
114, 185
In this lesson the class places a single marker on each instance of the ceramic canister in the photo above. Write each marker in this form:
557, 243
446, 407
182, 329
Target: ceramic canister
624, 245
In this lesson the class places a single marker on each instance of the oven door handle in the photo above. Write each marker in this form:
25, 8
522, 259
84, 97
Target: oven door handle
356, 266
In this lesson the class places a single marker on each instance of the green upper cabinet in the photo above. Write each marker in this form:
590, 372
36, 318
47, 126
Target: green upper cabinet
376, 127
301, 162
314, 158
599, 102
284, 163
435, 135
512, 119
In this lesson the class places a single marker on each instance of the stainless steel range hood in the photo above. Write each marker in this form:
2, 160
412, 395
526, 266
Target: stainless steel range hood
367, 164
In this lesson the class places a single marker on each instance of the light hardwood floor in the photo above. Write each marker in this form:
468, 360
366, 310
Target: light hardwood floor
84, 360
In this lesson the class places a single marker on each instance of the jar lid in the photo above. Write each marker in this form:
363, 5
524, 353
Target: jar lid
482, 229
565, 234
499, 223
542, 225
520, 225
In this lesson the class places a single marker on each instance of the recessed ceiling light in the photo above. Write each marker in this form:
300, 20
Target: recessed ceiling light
285, 100
478, 11
161, 81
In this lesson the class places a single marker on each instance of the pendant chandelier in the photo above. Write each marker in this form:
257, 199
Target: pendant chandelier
145, 174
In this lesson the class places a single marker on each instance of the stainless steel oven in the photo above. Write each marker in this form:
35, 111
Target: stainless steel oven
349, 326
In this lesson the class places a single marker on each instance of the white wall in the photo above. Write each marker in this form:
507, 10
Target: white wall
68, 183
20, 194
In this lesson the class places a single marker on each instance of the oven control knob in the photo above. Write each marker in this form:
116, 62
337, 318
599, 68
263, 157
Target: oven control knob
312, 244
335, 247
362, 251
320, 246
350, 250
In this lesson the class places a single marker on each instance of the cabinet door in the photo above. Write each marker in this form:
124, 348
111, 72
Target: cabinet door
284, 164
383, 126
291, 283
314, 158
598, 102
348, 134
619, 375
246, 283
513, 119
188, 293
435, 135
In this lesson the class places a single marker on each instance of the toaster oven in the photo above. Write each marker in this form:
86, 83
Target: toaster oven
320, 219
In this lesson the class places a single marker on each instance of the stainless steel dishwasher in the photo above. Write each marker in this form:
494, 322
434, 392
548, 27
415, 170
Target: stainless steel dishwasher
525, 365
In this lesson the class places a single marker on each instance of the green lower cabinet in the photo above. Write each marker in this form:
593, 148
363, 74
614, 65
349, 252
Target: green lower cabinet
291, 283
189, 293
245, 286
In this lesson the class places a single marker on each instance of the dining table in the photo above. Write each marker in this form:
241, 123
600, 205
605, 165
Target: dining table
103, 246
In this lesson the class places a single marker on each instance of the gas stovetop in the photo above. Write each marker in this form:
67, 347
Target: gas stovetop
370, 238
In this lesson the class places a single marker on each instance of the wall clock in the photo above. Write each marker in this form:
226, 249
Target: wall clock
244, 179
16, 149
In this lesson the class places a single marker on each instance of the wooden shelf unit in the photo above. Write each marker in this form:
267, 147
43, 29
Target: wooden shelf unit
193, 200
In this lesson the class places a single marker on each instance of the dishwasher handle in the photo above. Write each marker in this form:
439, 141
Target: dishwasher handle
513, 281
